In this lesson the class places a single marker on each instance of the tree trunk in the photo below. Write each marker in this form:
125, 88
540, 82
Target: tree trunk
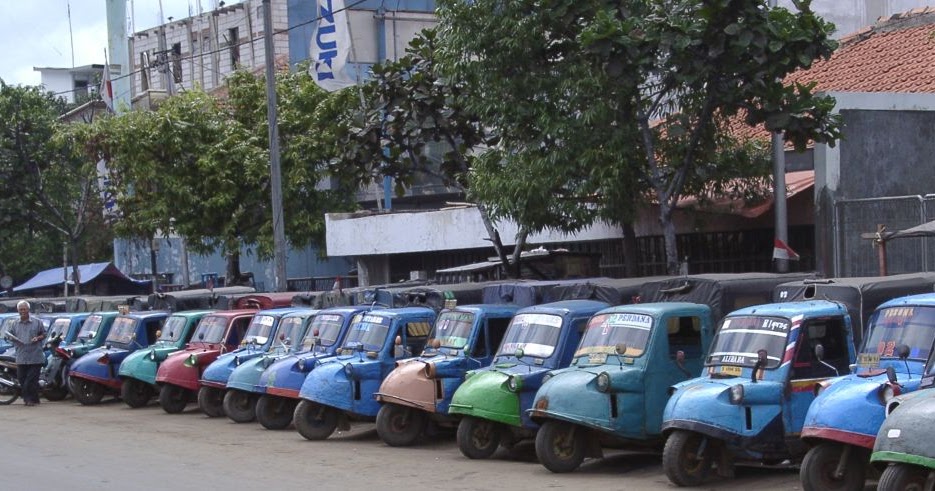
518, 252
494, 237
232, 275
668, 233
75, 261
631, 263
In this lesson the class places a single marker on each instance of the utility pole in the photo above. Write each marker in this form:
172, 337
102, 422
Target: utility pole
779, 190
279, 235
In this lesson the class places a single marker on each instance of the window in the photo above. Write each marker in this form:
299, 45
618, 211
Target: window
234, 43
496, 328
237, 331
685, 336
153, 326
144, 71
829, 333
177, 62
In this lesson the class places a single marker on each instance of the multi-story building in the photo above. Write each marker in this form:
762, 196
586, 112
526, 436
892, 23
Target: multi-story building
72, 84
202, 50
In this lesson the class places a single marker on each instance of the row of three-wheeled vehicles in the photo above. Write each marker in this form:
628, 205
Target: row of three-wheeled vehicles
758, 380
766, 384
101, 329
779, 382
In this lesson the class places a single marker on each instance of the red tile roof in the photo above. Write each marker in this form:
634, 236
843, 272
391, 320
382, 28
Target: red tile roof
897, 54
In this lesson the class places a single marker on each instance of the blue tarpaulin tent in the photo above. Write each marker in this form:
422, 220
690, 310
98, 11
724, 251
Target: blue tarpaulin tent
95, 278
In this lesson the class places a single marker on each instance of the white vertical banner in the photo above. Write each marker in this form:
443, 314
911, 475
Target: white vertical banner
331, 44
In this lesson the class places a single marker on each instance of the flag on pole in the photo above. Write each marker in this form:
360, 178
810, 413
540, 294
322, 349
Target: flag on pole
782, 251
107, 89
331, 44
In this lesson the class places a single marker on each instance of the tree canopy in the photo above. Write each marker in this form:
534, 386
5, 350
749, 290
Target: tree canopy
601, 107
47, 189
199, 166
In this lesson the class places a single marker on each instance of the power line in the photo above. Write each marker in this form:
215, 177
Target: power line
194, 56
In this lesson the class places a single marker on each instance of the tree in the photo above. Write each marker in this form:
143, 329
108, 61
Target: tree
412, 122
604, 106
199, 166
51, 194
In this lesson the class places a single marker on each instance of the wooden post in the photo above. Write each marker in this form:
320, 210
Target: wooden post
880, 241
881, 250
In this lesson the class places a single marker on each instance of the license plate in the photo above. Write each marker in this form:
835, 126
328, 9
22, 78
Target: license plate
597, 358
868, 360
732, 371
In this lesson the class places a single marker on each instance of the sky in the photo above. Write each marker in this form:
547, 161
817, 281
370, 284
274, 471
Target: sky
35, 33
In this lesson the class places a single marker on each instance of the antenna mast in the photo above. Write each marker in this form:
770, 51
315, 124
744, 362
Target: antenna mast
71, 36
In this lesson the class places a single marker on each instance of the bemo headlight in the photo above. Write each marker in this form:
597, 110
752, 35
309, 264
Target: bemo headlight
514, 383
603, 382
736, 394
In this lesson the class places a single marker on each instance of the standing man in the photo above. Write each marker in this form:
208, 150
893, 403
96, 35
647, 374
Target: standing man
27, 335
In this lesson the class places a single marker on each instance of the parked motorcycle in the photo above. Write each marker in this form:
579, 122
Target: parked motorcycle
53, 379
9, 384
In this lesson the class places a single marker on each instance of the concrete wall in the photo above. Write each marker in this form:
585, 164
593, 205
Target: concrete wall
58, 81
437, 230
206, 45
886, 152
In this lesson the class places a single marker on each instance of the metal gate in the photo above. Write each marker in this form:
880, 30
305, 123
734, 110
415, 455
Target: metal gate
854, 256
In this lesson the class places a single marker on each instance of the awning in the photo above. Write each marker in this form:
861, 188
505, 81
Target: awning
927, 229
86, 274
796, 182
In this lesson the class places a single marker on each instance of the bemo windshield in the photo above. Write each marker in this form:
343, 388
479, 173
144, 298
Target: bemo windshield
606, 331
913, 326
739, 338
535, 334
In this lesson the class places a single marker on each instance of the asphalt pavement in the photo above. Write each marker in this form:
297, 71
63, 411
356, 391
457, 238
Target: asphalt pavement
63, 445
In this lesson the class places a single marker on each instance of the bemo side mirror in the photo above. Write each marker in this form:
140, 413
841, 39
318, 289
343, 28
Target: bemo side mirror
902, 351
760, 363
820, 356
819, 352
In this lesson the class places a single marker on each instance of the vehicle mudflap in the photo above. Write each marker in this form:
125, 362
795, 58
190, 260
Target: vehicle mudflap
725, 461
594, 448
344, 423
